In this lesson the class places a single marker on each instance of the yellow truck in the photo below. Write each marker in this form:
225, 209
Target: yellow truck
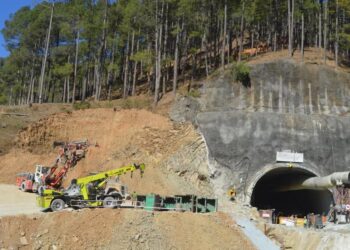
88, 191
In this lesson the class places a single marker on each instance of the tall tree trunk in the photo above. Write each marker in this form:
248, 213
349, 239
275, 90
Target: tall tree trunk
336, 45
75, 64
224, 37
242, 32
41, 81
159, 30
126, 69
83, 89
176, 59
99, 72
31, 82
53, 93
165, 48
85, 84
48, 86
68, 85
289, 29
135, 70
11, 96
292, 29
64, 90
110, 69
205, 48
32, 91
132, 54
302, 31
325, 31
320, 27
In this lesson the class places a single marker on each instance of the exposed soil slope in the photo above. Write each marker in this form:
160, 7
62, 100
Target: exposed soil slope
124, 137
121, 229
13, 119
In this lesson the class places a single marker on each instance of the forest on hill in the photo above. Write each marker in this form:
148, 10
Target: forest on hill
73, 50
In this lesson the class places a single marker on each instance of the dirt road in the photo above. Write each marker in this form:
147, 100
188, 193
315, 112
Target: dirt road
15, 202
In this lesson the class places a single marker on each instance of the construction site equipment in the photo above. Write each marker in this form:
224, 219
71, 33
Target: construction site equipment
268, 215
189, 203
332, 180
31, 181
319, 183
88, 191
79, 144
51, 177
340, 212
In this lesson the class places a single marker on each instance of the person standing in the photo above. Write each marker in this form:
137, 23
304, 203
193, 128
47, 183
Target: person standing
134, 199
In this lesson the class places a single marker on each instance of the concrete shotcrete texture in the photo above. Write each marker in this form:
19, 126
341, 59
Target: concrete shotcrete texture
298, 107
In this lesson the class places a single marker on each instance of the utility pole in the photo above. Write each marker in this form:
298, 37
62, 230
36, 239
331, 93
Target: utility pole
41, 81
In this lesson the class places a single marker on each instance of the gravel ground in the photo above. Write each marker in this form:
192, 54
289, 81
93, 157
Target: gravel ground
15, 202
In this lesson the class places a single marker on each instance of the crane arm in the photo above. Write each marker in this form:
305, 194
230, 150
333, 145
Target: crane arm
111, 173
103, 176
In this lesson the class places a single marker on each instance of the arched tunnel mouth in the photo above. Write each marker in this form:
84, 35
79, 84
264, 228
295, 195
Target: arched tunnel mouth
272, 192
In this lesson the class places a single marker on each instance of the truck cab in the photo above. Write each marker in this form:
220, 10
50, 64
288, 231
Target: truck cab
40, 171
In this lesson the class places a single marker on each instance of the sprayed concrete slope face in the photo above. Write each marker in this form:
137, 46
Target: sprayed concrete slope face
303, 108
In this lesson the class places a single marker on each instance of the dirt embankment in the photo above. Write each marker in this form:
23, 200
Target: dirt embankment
124, 137
121, 229
175, 159
14, 118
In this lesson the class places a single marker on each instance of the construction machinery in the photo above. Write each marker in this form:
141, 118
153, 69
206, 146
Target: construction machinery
50, 177
31, 181
183, 203
54, 178
43, 178
89, 191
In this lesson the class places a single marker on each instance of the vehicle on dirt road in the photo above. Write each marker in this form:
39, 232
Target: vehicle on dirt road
31, 181
52, 177
89, 191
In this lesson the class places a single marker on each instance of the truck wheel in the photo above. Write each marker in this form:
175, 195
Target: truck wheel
57, 205
109, 202
23, 187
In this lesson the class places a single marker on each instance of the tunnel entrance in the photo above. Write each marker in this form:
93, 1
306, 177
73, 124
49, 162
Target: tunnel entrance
271, 192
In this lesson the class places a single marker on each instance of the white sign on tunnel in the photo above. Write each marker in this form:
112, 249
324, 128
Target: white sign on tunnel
288, 156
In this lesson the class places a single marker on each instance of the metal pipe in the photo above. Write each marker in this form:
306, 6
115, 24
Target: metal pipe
335, 179
318, 183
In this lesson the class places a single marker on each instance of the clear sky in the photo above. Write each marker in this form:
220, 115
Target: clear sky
8, 7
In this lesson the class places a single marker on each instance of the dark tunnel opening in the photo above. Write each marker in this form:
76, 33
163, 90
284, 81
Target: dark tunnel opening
271, 192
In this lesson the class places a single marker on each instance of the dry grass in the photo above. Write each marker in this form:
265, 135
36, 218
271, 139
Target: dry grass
311, 56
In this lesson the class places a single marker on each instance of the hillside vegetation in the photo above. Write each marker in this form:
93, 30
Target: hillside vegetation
64, 51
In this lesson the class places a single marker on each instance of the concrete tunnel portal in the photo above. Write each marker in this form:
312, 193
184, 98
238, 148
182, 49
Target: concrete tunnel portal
272, 191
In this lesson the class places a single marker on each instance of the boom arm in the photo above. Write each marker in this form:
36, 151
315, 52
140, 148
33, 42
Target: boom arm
103, 176
56, 180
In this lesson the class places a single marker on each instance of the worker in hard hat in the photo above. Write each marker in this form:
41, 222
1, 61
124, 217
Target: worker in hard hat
231, 193
134, 199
